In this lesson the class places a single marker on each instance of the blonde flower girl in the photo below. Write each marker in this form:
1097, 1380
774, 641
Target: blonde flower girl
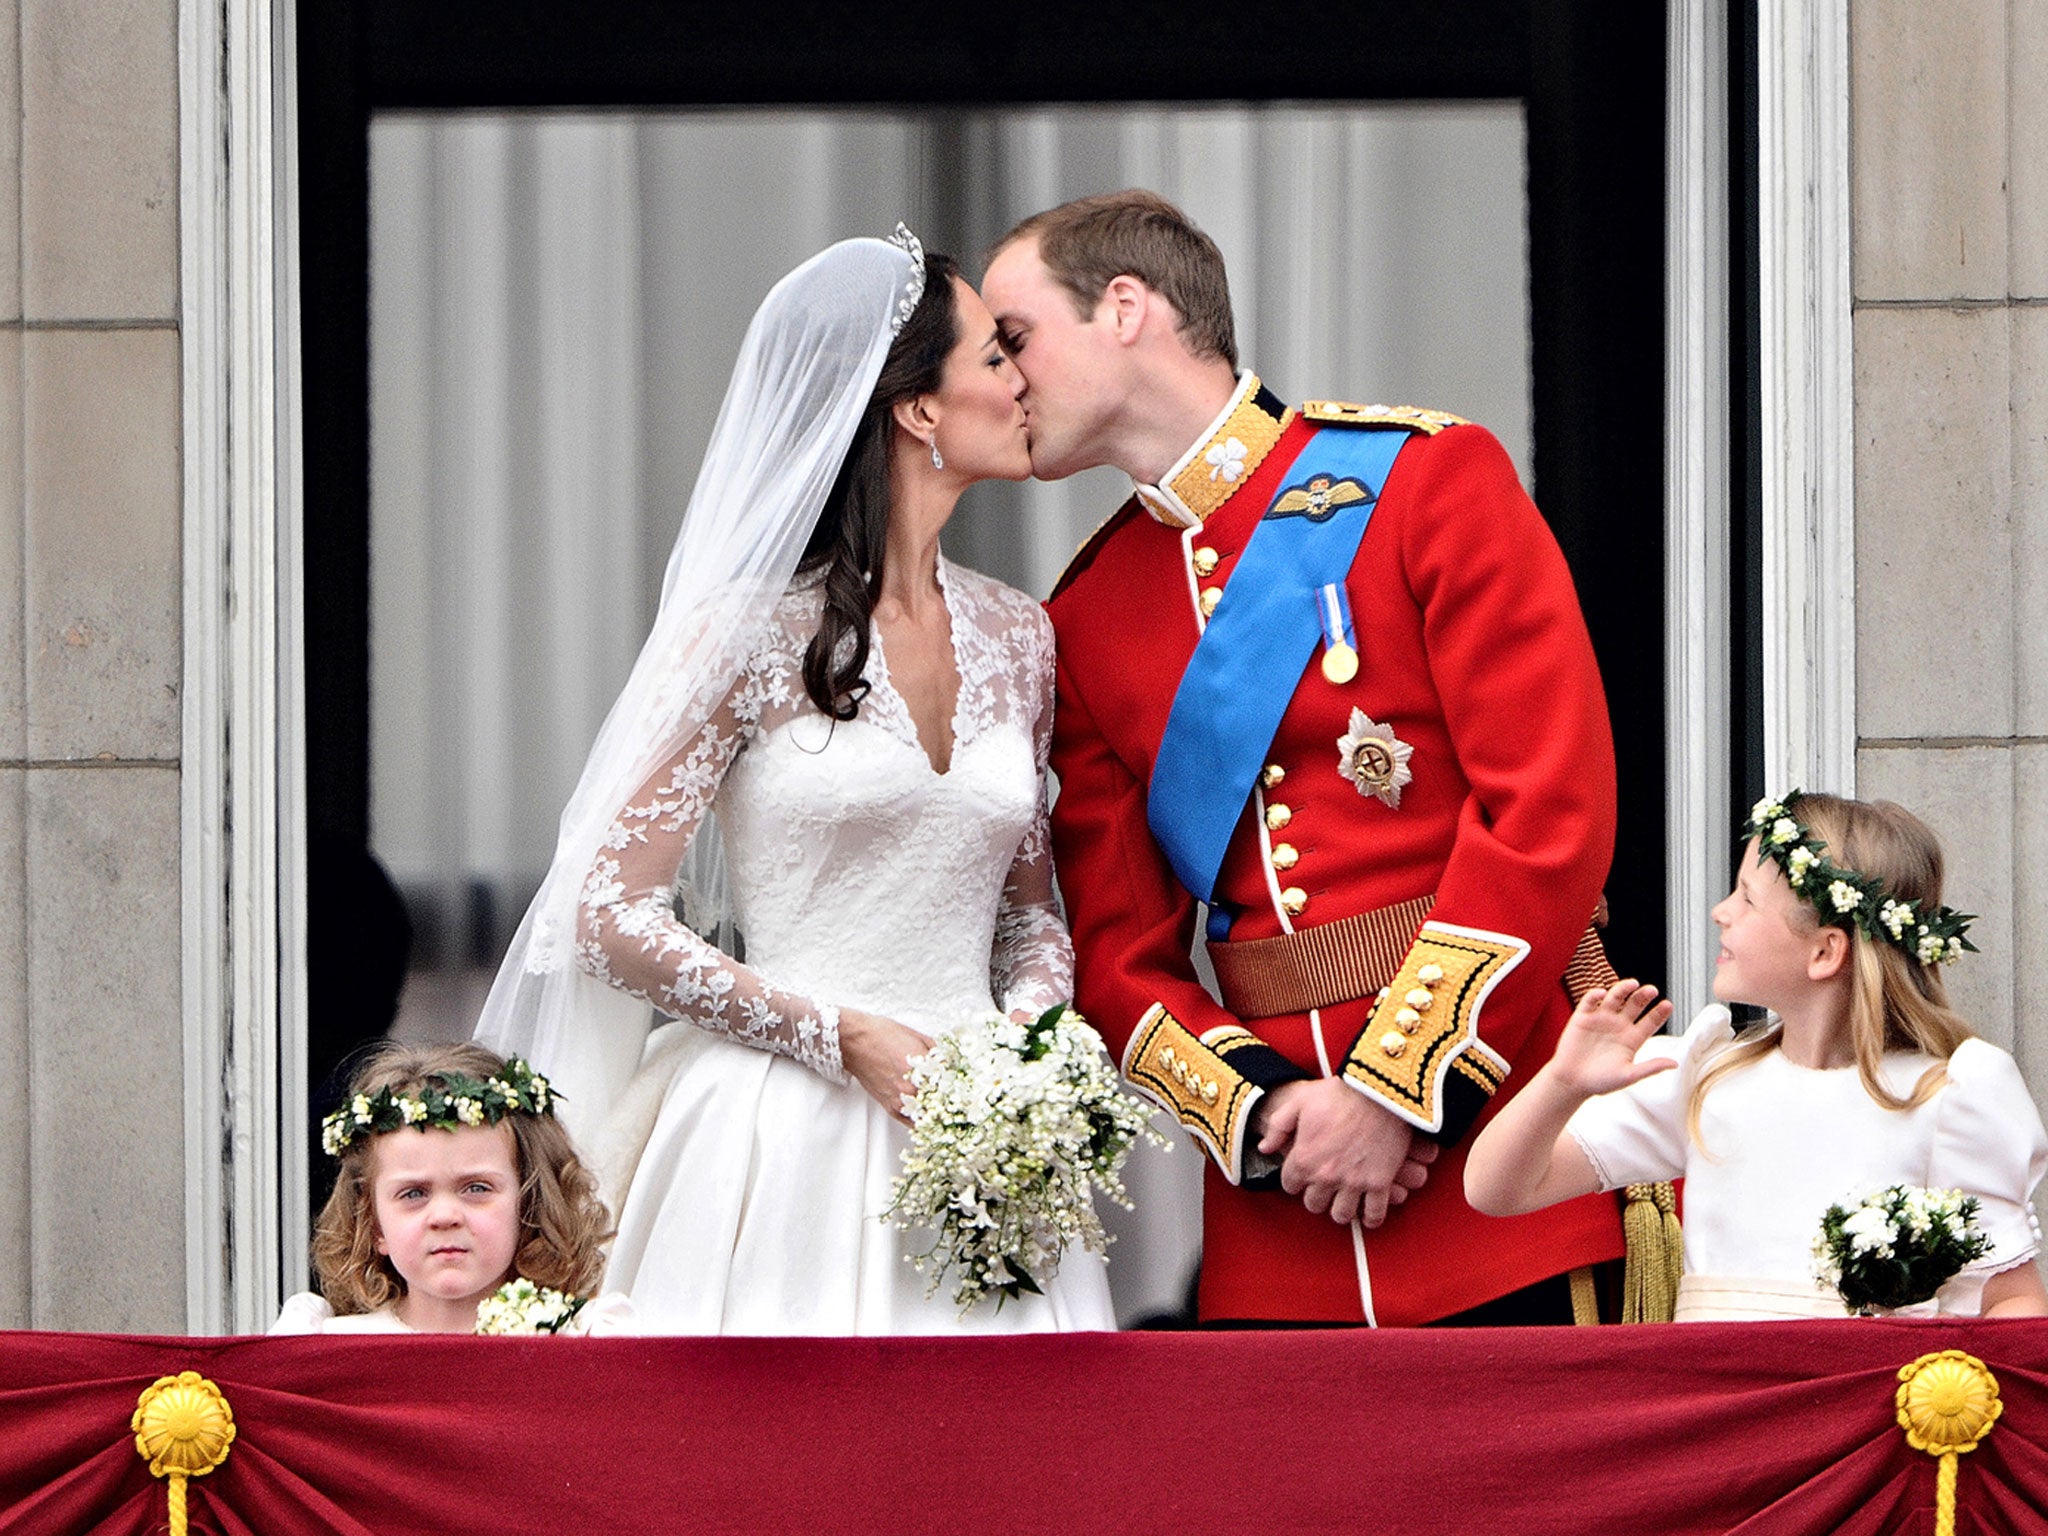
1861, 1077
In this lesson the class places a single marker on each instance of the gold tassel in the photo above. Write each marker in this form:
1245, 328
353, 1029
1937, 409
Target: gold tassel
1655, 1254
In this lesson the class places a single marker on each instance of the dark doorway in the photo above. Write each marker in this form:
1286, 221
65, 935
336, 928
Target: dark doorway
1591, 78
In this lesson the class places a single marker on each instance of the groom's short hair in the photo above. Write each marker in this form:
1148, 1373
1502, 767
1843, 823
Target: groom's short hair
1086, 243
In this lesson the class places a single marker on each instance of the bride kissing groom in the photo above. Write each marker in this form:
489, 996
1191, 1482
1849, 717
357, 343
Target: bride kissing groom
840, 740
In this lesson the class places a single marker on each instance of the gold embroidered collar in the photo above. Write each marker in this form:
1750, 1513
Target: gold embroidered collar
1209, 473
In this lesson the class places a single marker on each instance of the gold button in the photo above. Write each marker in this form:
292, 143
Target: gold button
1430, 974
1211, 596
1277, 816
1393, 1042
1166, 1057
1205, 561
1418, 997
1408, 1019
1294, 899
1208, 1093
1271, 775
1284, 856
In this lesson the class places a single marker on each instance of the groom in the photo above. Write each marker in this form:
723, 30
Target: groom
1325, 672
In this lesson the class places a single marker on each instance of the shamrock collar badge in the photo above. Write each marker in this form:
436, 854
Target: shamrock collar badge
1226, 459
1374, 759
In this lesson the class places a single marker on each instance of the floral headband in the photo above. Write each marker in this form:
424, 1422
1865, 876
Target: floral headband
449, 1100
1847, 898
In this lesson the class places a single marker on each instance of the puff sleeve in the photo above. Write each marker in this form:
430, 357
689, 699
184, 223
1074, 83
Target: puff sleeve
1989, 1142
304, 1312
1637, 1134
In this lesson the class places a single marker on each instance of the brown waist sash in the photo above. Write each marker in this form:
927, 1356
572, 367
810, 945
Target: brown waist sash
1349, 959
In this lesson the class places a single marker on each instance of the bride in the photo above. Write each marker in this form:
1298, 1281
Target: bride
832, 746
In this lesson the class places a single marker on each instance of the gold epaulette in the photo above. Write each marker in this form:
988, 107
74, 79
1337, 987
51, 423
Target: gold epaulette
1416, 418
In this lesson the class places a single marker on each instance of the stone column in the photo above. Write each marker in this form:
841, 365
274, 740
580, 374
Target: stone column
1950, 197
91, 1050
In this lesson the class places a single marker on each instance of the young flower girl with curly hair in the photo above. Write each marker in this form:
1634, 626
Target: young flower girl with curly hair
457, 1183
1861, 1077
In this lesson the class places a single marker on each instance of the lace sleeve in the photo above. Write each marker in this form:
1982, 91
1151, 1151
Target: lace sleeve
629, 936
1032, 967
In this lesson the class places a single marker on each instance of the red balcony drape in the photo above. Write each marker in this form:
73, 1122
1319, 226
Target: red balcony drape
1768, 1427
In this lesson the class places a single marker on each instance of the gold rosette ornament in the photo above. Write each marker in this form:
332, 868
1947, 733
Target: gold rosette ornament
1948, 1402
183, 1428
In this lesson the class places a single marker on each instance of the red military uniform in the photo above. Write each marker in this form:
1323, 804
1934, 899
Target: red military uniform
1473, 656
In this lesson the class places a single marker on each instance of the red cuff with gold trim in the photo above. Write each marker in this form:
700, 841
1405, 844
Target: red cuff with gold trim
1209, 1083
1420, 1053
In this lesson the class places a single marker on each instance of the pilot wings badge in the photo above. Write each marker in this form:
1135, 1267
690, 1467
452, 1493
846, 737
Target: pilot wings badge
1318, 498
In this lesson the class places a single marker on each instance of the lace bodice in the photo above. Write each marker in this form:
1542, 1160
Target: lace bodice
860, 876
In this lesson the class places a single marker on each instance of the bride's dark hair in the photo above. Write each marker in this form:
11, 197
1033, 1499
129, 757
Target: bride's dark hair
851, 538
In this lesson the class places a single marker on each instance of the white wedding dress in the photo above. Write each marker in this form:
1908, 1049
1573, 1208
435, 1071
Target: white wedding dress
860, 877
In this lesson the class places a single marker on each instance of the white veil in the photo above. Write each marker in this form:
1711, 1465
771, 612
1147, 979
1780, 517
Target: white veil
805, 373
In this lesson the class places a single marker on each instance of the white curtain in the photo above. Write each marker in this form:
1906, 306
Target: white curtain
555, 303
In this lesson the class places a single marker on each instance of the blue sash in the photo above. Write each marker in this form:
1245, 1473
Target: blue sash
1250, 658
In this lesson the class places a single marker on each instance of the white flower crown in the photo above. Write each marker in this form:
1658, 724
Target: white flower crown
1847, 898
448, 1100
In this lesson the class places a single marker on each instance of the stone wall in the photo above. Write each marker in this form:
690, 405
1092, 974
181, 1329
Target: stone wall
91, 1057
1949, 139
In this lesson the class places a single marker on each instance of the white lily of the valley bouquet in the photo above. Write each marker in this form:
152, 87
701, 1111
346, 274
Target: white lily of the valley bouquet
1897, 1247
519, 1306
1014, 1128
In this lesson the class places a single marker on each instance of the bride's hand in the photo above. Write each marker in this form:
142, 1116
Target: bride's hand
876, 1053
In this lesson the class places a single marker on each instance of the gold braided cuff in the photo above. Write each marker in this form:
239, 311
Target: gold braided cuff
1191, 1080
1426, 1025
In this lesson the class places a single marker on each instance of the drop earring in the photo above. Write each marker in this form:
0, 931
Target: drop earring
937, 461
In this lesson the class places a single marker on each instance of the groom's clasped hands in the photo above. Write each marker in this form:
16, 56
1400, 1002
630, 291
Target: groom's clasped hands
1343, 1155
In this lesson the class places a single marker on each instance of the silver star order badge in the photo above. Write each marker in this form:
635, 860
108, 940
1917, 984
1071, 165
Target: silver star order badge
1374, 759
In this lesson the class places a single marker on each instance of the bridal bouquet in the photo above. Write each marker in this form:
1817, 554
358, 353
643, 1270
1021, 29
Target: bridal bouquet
520, 1306
1898, 1246
1013, 1129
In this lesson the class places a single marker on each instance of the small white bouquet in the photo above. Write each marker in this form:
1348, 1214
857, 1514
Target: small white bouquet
1897, 1247
520, 1306
1014, 1128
